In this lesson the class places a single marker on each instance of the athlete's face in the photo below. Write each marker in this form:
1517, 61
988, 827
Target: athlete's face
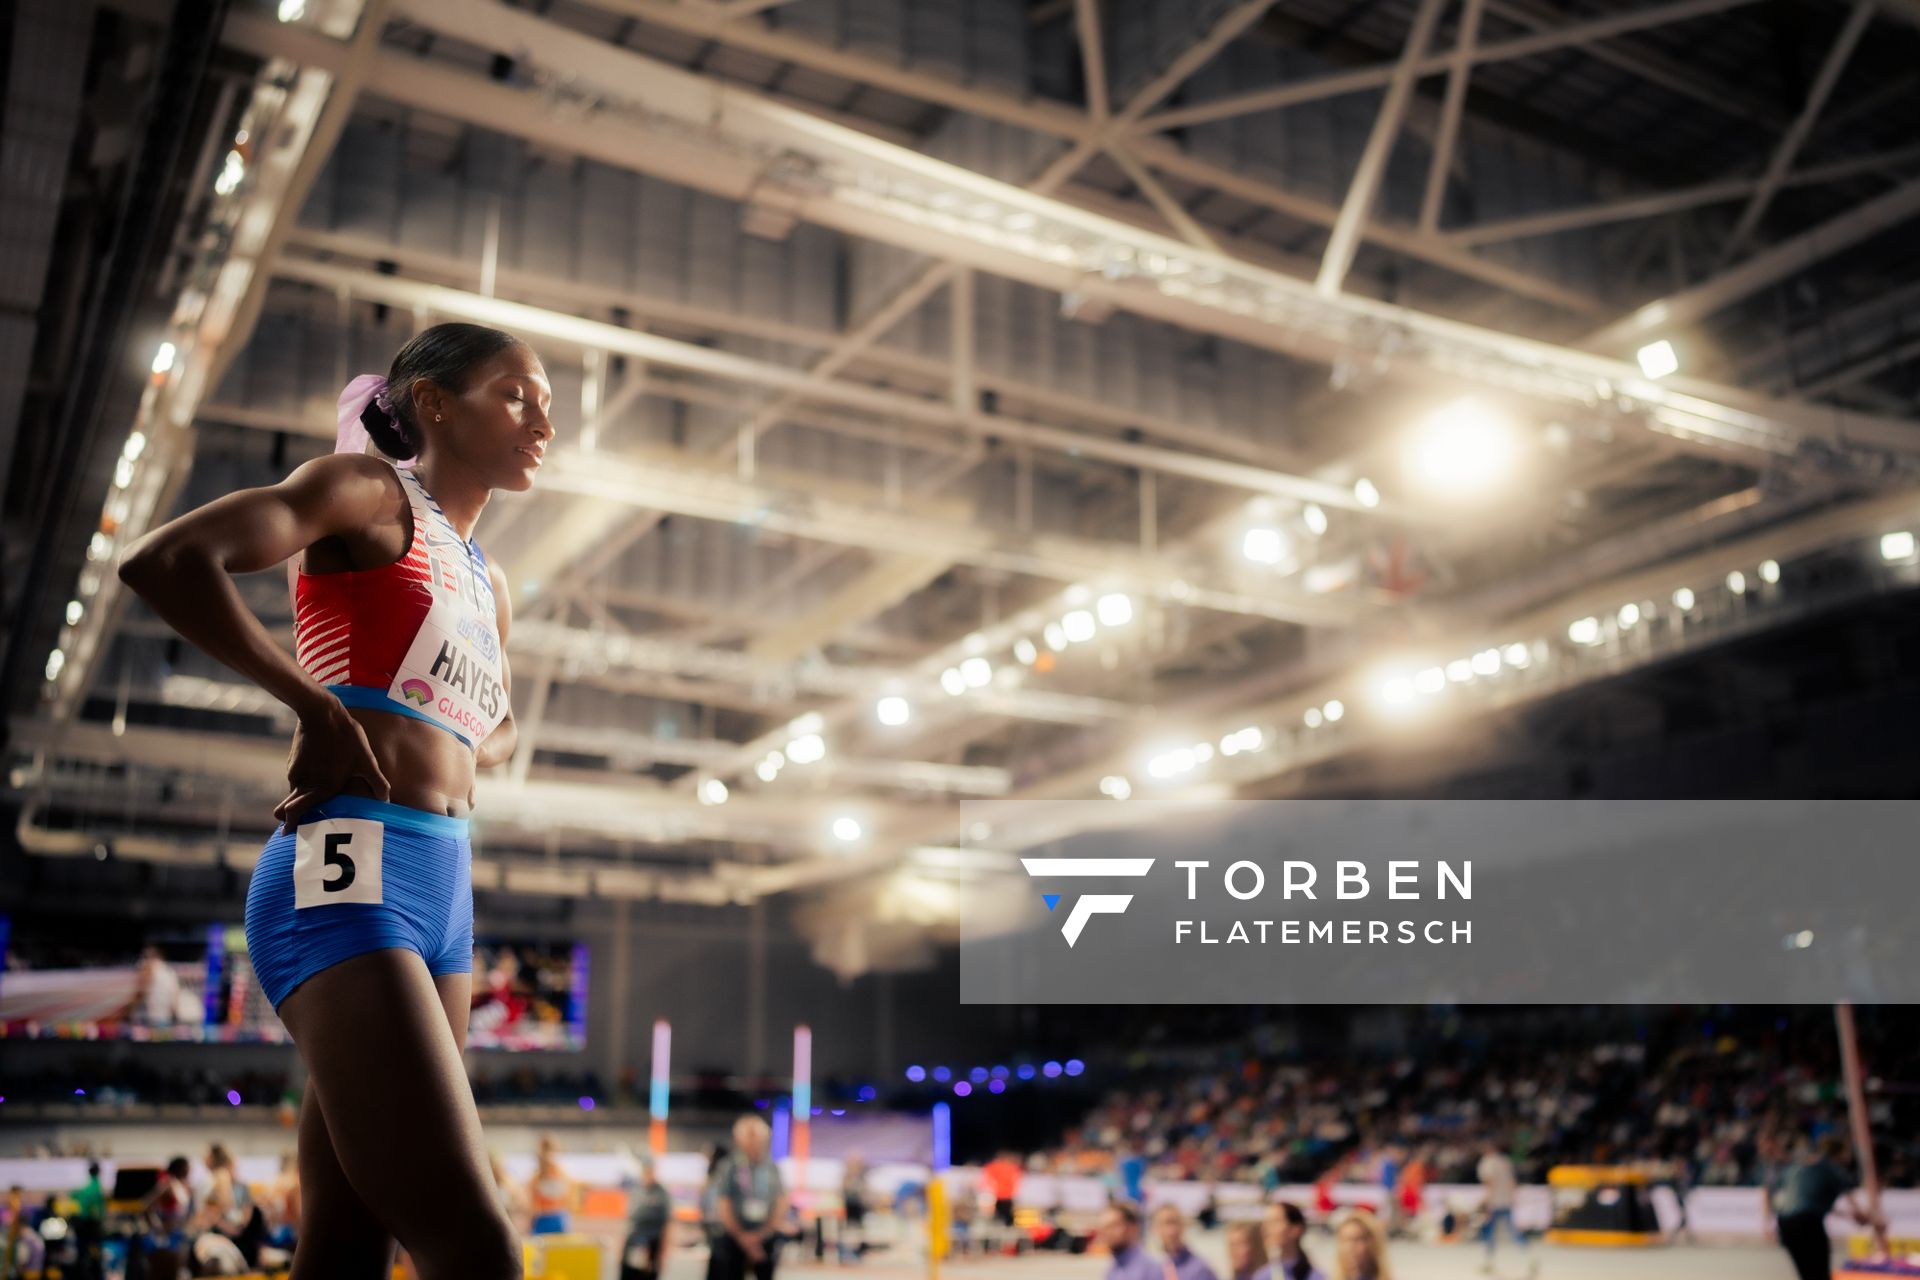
499, 427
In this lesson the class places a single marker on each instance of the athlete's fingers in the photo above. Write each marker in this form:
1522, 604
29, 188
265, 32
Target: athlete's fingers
295, 806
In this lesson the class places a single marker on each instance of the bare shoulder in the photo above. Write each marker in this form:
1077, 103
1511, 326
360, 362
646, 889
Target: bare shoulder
360, 487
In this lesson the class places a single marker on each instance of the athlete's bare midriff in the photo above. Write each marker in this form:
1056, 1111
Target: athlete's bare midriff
426, 767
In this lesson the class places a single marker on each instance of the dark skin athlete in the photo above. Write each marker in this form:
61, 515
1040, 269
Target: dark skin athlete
390, 1144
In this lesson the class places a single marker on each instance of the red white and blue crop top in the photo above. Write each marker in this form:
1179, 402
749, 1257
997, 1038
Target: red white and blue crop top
419, 637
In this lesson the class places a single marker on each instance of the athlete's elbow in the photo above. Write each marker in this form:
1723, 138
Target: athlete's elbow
143, 566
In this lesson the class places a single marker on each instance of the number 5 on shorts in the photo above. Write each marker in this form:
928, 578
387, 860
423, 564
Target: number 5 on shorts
337, 860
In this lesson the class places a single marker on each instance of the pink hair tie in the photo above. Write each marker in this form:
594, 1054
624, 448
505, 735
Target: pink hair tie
351, 433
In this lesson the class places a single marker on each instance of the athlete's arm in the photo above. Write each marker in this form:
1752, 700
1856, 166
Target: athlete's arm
498, 746
183, 569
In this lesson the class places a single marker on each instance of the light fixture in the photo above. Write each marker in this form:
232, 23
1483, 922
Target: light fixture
231, 173
122, 474
953, 682
1115, 609
893, 710
1314, 718
1115, 787
136, 445
1314, 518
1629, 615
292, 10
1464, 449
1516, 656
1737, 583
1897, 545
1658, 359
1334, 710
713, 791
75, 610
1431, 680
1397, 691
846, 830
1769, 571
1365, 493
977, 673
1486, 662
769, 769
1247, 739
1055, 636
1460, 670
163, 358
1584, 631
56, 662
1683, 599
1263, 546
99, 547
807, 749
1078, 626
1024, 650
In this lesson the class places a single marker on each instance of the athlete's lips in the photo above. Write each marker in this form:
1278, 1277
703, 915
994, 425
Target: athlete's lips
532, 452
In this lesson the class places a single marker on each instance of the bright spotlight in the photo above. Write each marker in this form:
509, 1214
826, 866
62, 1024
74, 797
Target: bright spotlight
1334, 710
893, 710
953, 682
1115, 787
56, 663
1078, 626
808, 749
1056, 636
292, 10
1314, 718
1769, 571
1486, 662
1314, 518
846, 830
164, 357
1431, 680
977, 673
1460, 670
1737, 583
1516, 656
1024, 650
1365, 492
713, 791
1683, 599
1658, 359
1584, 631
1263, 546
1397, 691
1897, 545
1114, 610
75, 610
1629, 615
1464, 449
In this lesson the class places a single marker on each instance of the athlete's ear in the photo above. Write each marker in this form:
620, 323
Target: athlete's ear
430, 402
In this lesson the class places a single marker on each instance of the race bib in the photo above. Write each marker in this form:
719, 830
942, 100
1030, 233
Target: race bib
337, 860
637, 1258
753, 1210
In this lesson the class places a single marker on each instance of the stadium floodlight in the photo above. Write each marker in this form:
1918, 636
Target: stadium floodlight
1658, 359
846, 829
1263, 546
1628, 616
1055, 636
1396, 691
1366, 492
1769, 571
1486, 662
1897, 545
1313, 718
953, 682
977, 673
1460, 670
1314, 518
1584, 631
893, 710
1115, 787
1025, 650
1683, 599
1431, 680
1334, 710
713, 791
1517, 656
808, 749
1464, 449
164, 357
1078, 626
1737, 583
1115, 609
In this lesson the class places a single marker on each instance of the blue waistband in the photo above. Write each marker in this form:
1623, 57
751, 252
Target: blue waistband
418, 821
369, 699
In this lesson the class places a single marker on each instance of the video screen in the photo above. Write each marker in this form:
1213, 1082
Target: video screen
63, 980
528, 996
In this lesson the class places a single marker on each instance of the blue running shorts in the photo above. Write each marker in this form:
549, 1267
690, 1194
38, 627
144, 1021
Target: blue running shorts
355, 876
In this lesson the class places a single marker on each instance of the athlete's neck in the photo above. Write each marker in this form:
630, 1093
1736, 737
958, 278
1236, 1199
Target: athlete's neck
461, 494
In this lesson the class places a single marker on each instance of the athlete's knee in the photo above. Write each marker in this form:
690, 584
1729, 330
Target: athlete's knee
485, 1248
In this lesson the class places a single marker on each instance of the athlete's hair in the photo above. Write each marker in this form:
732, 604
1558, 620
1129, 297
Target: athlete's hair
446, 354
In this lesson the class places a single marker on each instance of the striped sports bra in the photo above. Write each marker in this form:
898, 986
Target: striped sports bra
419, 637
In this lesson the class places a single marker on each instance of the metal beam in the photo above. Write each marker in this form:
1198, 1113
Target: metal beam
1093, 56
1357, 209
1870, 367
1363, 78
1177, 217
1458, 75
1769, 267
1653, 204
1783, 155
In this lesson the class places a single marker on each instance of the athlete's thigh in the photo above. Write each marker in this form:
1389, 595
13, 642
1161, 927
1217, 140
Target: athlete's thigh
396, 1099
340, 1238
456, 997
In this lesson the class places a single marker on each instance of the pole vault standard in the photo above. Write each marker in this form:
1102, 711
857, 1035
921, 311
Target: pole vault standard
1857, 1113
657, 1090
802, 1101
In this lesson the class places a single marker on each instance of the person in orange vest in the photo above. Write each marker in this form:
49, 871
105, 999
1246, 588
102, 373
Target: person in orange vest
1001, 1178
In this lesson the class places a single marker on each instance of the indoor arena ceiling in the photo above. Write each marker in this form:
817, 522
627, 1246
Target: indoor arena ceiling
1074, 401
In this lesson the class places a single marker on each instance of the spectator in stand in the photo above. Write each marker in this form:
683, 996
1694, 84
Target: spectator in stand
1133, 1175
1808, 1193
1360, 1249
550, 1192
1119, 1231
89, 1223
1182, 1263
1246, 1256
1283, 1228
1001, 1178
853, 1205
168, 1209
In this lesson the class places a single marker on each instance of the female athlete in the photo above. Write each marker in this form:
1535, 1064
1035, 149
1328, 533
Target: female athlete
360, 912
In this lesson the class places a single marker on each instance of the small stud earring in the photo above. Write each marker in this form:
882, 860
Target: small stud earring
439, 417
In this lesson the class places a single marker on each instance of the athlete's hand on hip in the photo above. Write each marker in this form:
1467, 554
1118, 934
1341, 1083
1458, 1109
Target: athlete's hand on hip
330, 750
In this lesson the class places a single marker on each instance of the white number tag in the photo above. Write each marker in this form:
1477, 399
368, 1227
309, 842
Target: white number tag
754, 1210
637, 1257
337, 860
